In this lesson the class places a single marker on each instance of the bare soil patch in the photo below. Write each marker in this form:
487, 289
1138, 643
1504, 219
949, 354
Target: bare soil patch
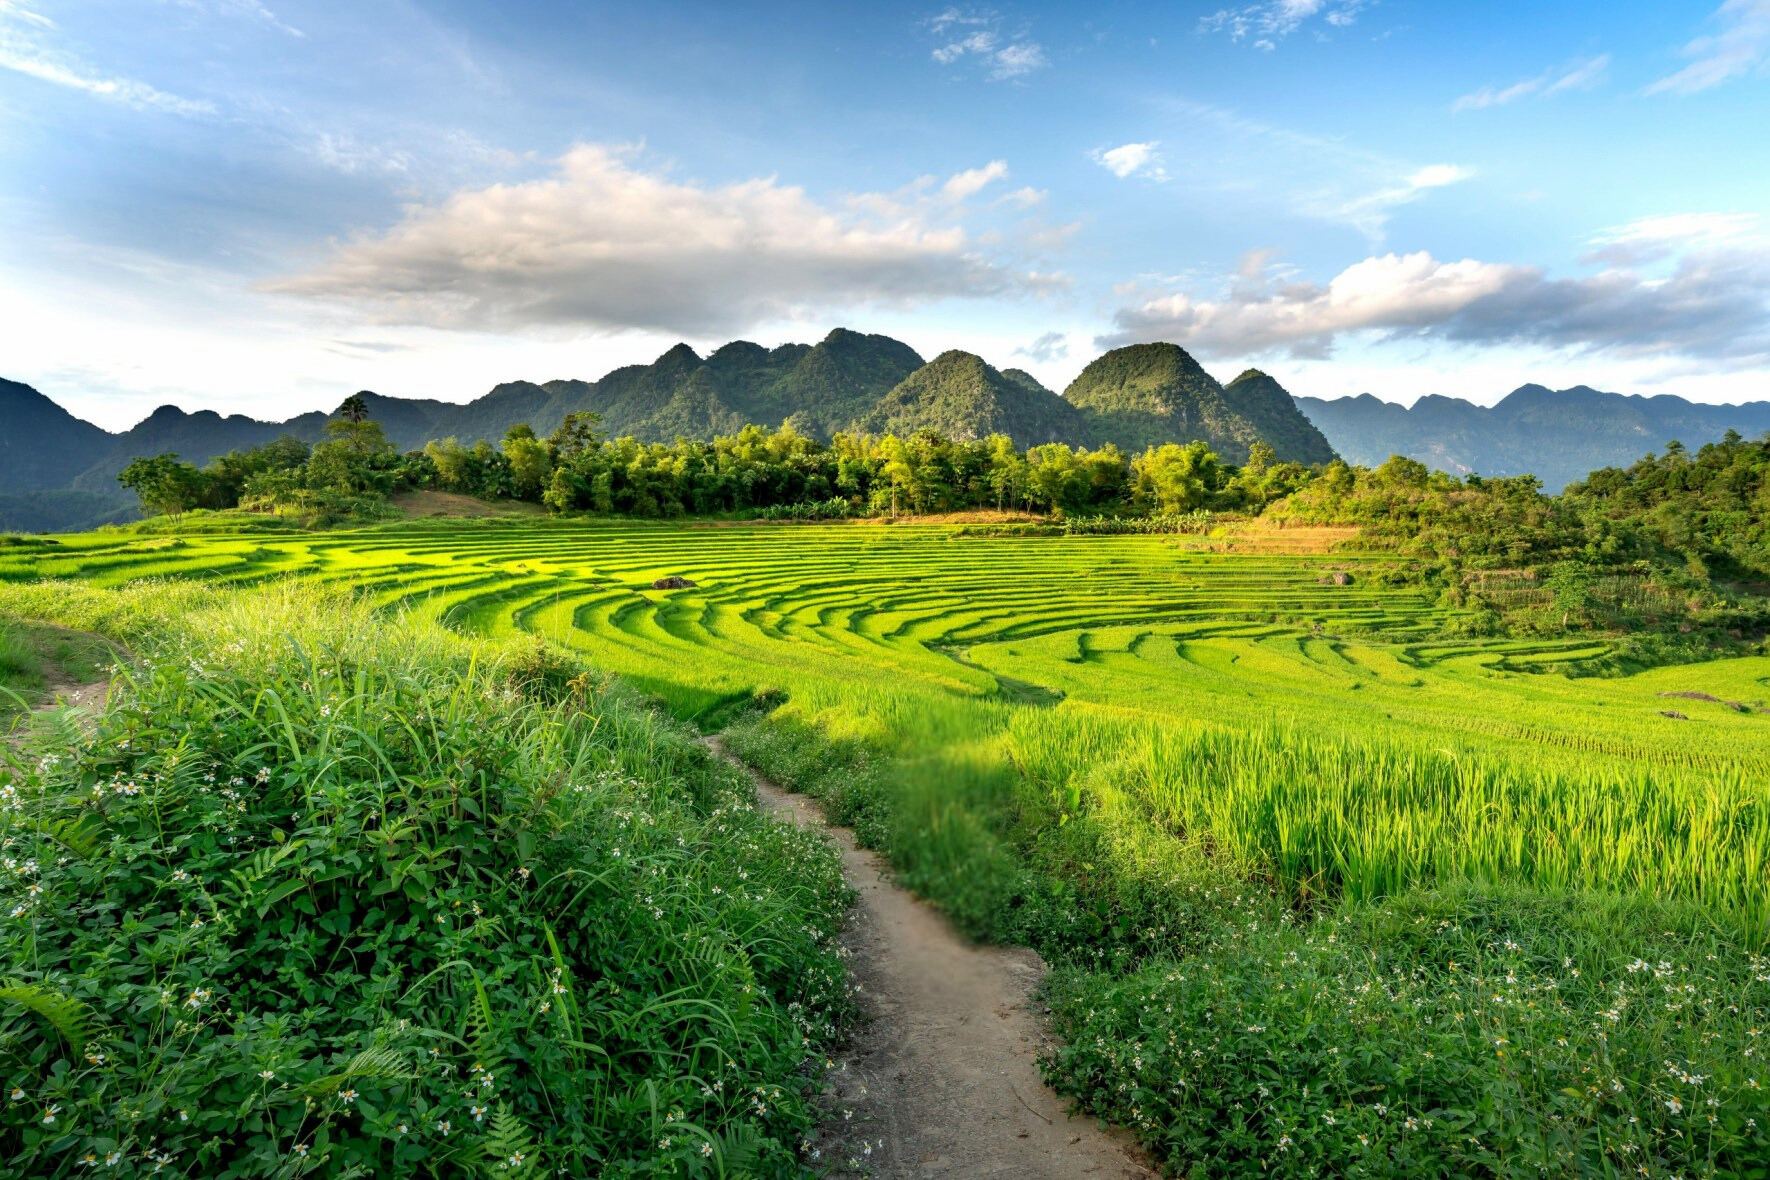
432, 503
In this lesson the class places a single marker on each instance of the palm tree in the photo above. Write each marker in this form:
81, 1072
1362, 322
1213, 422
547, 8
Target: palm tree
354, 408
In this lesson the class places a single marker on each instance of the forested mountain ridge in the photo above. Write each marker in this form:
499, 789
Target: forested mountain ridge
958, 395
1145, 395
1274, 415
1556, 435
58, 472
821, 389
848, 381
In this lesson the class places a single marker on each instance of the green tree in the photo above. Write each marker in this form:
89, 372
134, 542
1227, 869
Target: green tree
579, 433
451, 461
355, 458
1175, 478
164, 484
531, 461
897, 468
1007, 470
1570, 584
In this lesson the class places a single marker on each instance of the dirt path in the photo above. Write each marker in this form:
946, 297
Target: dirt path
941, 1080
75, 672
86, 697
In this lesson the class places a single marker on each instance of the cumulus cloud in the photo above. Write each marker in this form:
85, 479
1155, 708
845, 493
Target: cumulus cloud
980, 36
603, 244
1131, 159
1713, 303
1579, 75
1741, 47
1052, 346
1268, 22
972, 181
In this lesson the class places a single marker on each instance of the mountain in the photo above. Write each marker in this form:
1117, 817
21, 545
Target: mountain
822, 388
1273, 413
58, 472
838, 381
961, 397
1144, 395
1557, 435
42, 446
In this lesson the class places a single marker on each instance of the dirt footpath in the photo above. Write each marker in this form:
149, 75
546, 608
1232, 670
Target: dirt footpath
942, 1079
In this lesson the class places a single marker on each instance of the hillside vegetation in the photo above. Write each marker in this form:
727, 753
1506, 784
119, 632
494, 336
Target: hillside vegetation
848, 382
331, 892
1328, 890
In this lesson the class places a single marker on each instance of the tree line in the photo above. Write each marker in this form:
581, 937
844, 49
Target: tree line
577, 469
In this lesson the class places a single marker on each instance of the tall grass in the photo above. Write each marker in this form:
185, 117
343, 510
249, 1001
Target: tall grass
1201, 782
333, 892
1349, 816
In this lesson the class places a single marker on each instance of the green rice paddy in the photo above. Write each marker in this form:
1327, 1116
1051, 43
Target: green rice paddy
1325, 734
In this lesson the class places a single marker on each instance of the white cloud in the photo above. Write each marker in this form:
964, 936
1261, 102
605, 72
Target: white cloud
1649, 238
1022, 57
1579, 75
962, 185
604, 245
1282, 172
1714, 303
23, 13
1131, 159
247, 8
1741, 47
979, 36
1047, 349
127, 91
1369, 212
345, 153
24, 52
1272, 20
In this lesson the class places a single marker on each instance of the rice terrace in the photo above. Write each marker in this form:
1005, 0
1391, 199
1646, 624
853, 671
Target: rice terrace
883, 592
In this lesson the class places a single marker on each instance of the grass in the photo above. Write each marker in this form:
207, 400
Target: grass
35, 656
1162, 760
341, 893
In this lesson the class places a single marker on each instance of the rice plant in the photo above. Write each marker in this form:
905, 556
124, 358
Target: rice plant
1131, 751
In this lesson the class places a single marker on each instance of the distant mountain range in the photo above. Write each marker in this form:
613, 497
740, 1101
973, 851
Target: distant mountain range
58, 472
1557, 435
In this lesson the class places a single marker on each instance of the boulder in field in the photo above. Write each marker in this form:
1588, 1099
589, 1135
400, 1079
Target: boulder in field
673, 582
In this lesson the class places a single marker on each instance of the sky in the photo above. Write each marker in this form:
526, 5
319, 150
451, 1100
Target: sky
259, 206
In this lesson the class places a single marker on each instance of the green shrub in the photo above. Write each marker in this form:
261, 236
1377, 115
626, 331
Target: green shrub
1462, 1032
335, 894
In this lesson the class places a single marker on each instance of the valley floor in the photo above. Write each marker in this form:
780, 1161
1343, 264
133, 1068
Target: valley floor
1323, 890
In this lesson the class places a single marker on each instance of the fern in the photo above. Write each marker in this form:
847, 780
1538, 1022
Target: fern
510, 1151
80, 836
377, 1064
66, 1015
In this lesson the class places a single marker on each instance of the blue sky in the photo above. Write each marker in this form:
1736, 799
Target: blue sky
261, 205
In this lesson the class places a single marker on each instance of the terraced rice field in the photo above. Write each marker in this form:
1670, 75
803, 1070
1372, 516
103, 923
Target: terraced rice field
1325, 732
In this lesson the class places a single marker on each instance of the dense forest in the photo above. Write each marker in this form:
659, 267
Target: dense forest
577, 468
